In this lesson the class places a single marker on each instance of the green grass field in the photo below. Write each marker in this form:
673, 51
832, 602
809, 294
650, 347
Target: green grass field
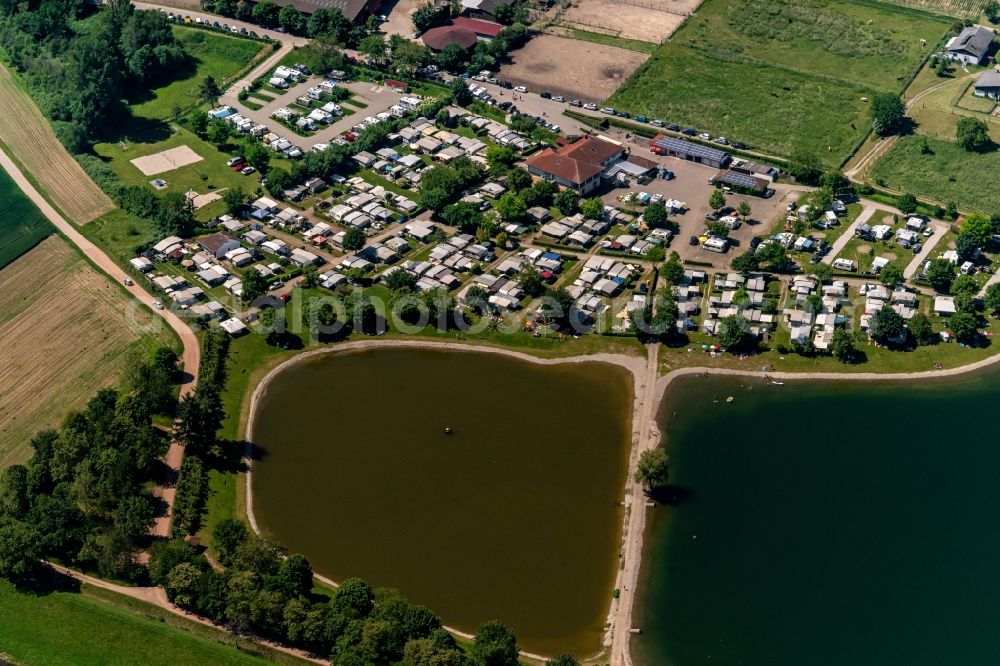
771, 109
102, 628
949, 173
22, 225
777, 75
216, 55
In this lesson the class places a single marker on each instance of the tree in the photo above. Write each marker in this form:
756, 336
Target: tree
235, 198
562, 659
464, 216
891, 275
518, 179
920, 328
500, 157
208, 90
566, 201
656, 215
254, 285
992, 11
257, 155
511, 207
460, 92
531, 281
941, 274
979, 228
19, 552
292, 20
494, 645
907, 204
836, 182
428, 17
734, 333
218, 133
823, 272
744, 209
452, 58
401, 280
805, 166
992, 299
746, 263
964, 325
672, 269
434, 198
973, 135
717, 199
266, 14
885, 324
354, 239
887, 113
408, 56
966, 247
375, 48
653, 469
592, 208
843, 346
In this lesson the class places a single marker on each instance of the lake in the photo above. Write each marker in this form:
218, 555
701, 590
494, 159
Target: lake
515, 516
825, 524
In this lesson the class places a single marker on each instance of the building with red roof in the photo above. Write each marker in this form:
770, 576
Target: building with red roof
486, 30
577, 166
438, 38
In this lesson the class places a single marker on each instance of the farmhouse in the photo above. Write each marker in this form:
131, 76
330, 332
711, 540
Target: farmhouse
971, 46
988, 84
693, 152
577, 166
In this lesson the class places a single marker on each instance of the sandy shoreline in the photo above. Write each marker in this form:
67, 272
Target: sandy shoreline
649, 389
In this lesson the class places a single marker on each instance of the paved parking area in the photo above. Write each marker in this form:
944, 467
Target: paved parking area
691, 186
377, 98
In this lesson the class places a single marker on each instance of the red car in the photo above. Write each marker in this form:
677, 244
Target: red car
239, 167
350, 136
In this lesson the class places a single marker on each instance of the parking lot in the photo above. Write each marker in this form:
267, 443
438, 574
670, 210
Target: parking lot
691, 186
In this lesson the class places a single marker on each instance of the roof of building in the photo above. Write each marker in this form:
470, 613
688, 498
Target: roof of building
478, 26
352, 9
974, 40
689, 148
213, 242
577, 162
740, 180
989, 79
438, 38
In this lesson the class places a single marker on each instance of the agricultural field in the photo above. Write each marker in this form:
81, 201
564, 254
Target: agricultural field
22, 226
65, 332
99, 627
27, 136
772, 109
958, 8
947, 173
771, 73
215, 54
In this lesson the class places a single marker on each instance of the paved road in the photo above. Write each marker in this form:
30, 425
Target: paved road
940, 229
848, 234
190, 355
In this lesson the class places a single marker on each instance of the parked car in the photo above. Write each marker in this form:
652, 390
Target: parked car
642, 119
545, 94
158, 305
755, 241
246, 171
216, 24
521, 89
558, 98
656, 123
608, 110
704, 136
688, 131
693, 241
722, 141
739, 145
590, 106
233, 161
128, 281
575, 102
623, 114
674, 127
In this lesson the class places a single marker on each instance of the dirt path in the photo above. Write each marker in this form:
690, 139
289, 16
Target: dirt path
848, 234
646, 436
191, 353
157, 597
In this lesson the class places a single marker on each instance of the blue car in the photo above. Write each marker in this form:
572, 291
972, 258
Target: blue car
642, 119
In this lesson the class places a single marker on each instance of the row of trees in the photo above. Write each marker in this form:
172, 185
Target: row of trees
80, 70
83, 496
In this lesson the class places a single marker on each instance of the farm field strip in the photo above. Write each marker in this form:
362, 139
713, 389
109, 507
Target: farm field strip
32, 142
65, 334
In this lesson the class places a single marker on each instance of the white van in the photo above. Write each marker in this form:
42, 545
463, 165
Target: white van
844, 265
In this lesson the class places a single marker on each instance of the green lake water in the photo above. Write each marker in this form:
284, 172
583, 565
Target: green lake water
515, 516
833, 524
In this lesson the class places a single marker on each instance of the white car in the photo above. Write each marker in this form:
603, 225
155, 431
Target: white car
158, 305
128, 281
608, 110
521, 89
722, 141
558, 98
590, 106
705, 136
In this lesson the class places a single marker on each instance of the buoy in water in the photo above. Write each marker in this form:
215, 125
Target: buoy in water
730, 399
447, 431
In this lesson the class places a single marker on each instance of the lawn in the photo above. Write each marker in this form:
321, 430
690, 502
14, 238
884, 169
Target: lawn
22, 225
781, 75
948, 173
95, 626
610, 40
938, 112
208, 175
215, 54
